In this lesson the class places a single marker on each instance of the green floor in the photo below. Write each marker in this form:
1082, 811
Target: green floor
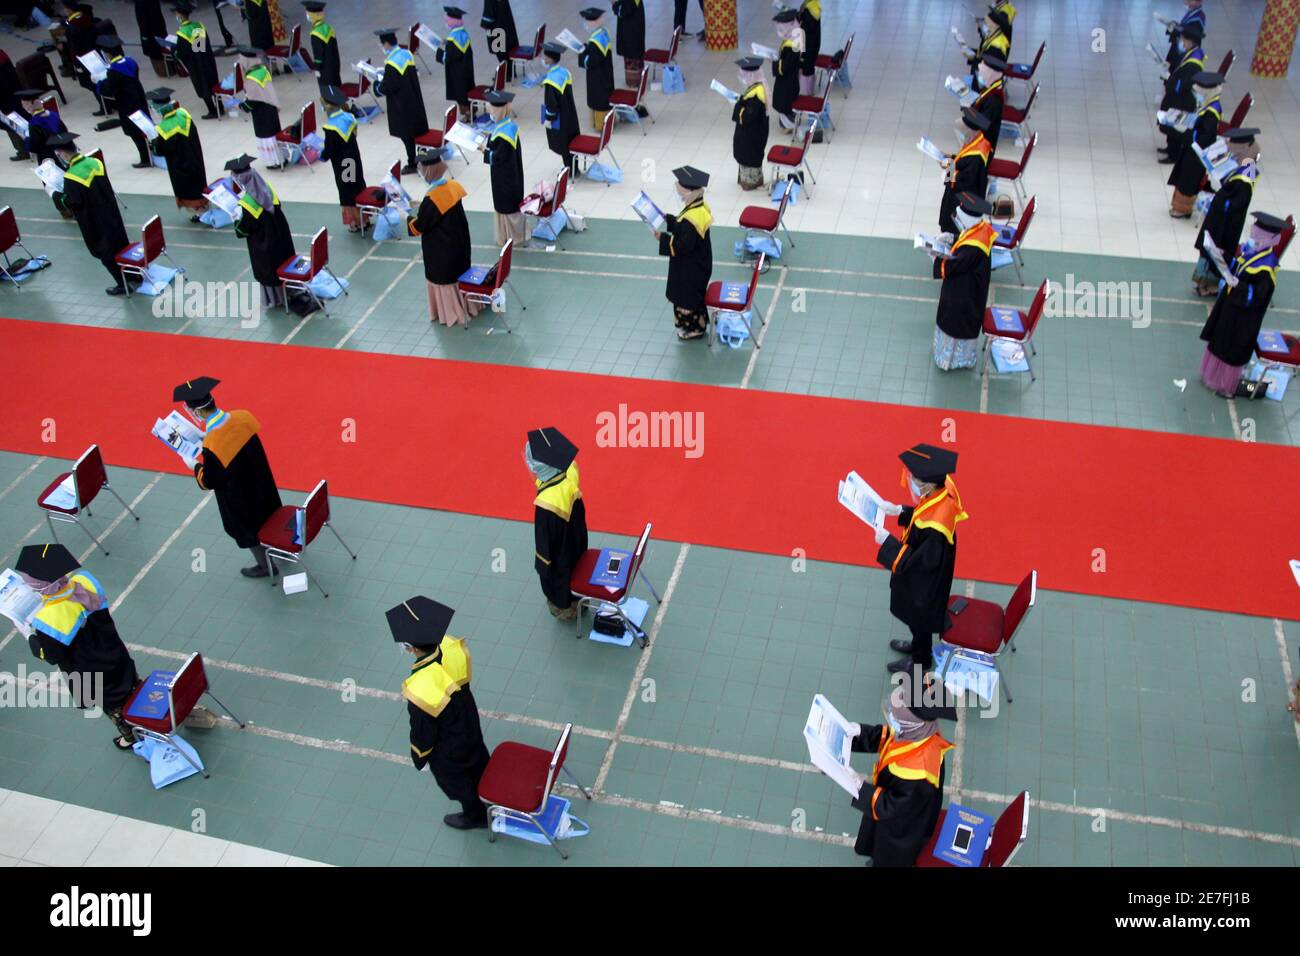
1128, 728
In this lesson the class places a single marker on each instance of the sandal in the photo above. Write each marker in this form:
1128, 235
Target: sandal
123, 743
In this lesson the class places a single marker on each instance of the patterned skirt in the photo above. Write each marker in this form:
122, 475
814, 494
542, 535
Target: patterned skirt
950, 353
750, 177
1219, 376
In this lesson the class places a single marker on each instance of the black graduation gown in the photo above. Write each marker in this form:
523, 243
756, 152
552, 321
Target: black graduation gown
561, 543
599, 65
785, 79
444, 241
325, 60
920, 586
991, 106
96, 649
506, 160
345, 157
1226, 219
149, 18
749, 141
457, 70
201, 66
122, 85
452, 744
562, 105
261, 34
97, 214
908, 810
629, 40
973, 177
266, 118
406, 116
690, 263
1179, 94
234, 468
812, 41
185, 166
10, 84
40, 127
270, 243
1237, 317
1188, 169
497, 15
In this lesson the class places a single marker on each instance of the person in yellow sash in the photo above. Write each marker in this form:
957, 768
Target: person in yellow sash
685, 240
446, 735
995, 38
922, 559
559, 517
749, 141
900, 802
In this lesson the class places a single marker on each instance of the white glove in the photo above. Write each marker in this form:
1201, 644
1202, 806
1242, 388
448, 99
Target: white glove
856, 729
881, 534
890, 508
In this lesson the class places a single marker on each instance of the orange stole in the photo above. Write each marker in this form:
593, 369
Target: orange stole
447, 195
981, 235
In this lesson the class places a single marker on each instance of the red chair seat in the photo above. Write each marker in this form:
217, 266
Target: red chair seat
623, 98
372, 196
485, 288
520, 53
656, 56
713, 299
991, 328
580, 580
295, 267
785, 155
826, 61
280, 50
278, 530
586, 144
515, 776
1003, 169
431, 139
287, 136
40, 499
1289, 357
219, 89
1019, 70
927, 857
161, 725
759, 217
1011, 114
350, 90
132, 255
978, 627
478, 92
809, 104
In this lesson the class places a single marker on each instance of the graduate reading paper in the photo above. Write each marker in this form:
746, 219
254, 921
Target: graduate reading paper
180, 436
226, 201
726, 93
766, 52
369, 69
144, 124
830, 742
18, 602
569, 40
51, 175
427, 36
931, 150
467, 137
95, 65
17, 123
649, 213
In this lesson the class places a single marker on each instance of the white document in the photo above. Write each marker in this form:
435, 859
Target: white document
1215, 255
1155, 55
1178, 119
935, 245
1217, 160
467, 137
648, 212
180, 436
726, 93
1162, 20
861, 499
965, 95
931, 150
51, 175
17, 123
369, 69
766, 52
226, 201
18, 602
830, 741
144, 124
64, 496
396, 193
95, 65
1295, 569
427, 36
569, 40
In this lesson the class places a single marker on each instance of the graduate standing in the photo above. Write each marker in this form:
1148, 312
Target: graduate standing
263, 226
261, 33
122, 86
629, 39
1179, 94
810, 22
446, 735
74, 631
41, 124
89, 196
1238, 314
343, 152
262, 103
559, 517
597, 59
992, 97
194, 50
400, 85
178, 143
153, 26
443, 228
1194, 14
921, 561
457, 59
233, 466
1188, 169
504, 154
749, 141
1226, 217
964, 293
785, 68
499, 22
995, 39
967, 171
685, 240
324, 46
559, 111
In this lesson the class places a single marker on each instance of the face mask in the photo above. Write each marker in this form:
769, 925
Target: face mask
914, 488
195, 417
895, 727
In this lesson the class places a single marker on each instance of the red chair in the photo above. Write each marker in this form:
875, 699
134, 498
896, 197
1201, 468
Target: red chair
434, 138
1013, 239
625, 101
372, 200
478, 94
793, 158
183, 689
808, 108
354, 91
89, 477
1226, 65
295, 134
551, 206
1009, 833
1017, 116
715, 303
657, 57
297, 272
98, 153
829, 65
1287, 235
525, 55
10, 239
136, 258
989, 629
518, 779
282, 53
1025, 71
224, 93
413, 45
1013, 171
490, 292
1028, 323
279, 530
596, 596
1238, 115
592, 146
764, 220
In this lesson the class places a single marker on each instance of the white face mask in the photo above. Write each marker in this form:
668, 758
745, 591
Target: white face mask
894, 726
914, 488
964, 221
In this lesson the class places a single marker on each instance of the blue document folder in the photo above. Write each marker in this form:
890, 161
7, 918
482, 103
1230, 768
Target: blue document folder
1270, 340
734, 293
475, 275
1007, 320
964, 837
151, 702
601, 578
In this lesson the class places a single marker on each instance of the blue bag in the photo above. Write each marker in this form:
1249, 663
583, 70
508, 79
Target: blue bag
389, 224
326, 286
732, 330
674, 82
599, 172
551, 228
754, 246
778, 190
298, 65
555, 819
29, 268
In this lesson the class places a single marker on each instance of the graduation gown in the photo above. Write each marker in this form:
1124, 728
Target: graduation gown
1238, 313
990, 103
450, 744
504, 154
685, 240
964, 293
41, 125
261, 34
921, 563
194, 50
972, 175
233, 467
343, 152
629, 40
178, 142
899, 812
559, 534
810, 21
597, 60
149, 18
443, 228
95, 649
497, 15
457, 59
559, 111
1226, 219
1179, 94
266, 118
785, 78
270, 241
1188, 170
749, 140
325, 55
122, 85
89, 195
401, 87
1175, 50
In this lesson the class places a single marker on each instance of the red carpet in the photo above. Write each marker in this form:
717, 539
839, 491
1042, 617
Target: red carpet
1187, 521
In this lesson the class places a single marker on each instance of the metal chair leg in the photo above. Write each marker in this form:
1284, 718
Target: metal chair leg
984, 356
541, 829
341, 541
1006, 689
109, 488
202, 770
569, 773
227, 710
311, 577
522, 307
646, 578
91, 536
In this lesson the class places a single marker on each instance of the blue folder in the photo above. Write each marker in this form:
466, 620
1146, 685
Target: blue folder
151, 702
601, 579
1270, 340
1007, 320
974, 829
475, 275
734, 292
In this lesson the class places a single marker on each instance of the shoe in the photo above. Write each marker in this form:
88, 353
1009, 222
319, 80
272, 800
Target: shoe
124, 743
1166, 160
196, 218
145, 165
99, 113
116, 290
902, 647
642, 112
256, 571
408, 169
211, 114
902, 665
1179, 215
20, 157
689, 336
458, 821
569, 613
702, 35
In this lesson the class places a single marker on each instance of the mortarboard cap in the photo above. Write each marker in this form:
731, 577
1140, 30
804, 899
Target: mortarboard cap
1240, 134
314, 6
786, 16
240, 164
690, 177
456, 12
419, 621
1207, 79
974, 119
164, 94
993, 61
197, 392
499, 97
109, 42
387, 35
750, 63
427, 156
46, 562
551, 48
30, 94
928, 463
1269, 222
591, 13
974, 205
550, 447
61, 139
1193, 30
334, 96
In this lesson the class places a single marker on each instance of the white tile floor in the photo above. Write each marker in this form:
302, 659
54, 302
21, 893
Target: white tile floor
35, 831
1095, 175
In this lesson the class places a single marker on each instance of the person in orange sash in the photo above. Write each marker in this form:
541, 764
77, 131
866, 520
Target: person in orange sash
966, 271
900, 802
921, 561
443, 228
967, 170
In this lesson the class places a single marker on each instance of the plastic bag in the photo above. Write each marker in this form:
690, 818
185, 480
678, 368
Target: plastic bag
551, 227
779, 187
600, 173
389, 224
732, 330
754, 246
674, 82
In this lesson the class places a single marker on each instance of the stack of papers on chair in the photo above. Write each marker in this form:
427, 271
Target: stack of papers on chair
16, 123
475, 275
467, 137
95, 65
18, 602
969, 671
569, 40
766, 52
648, 212
931, 150
861, 499
63, 496
369, 69
180, 436
601, 578
1007, 320
51, 176
144, 124
427, 36
830, 741
726, 93
964, 836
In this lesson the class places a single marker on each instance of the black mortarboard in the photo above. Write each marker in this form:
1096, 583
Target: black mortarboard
591, 13
499, 97
690, 177
334, 96
46, 562
974, 118
428, 156
1194, 30
1269, 222
164, 94
750, 63
109, 42
387, 35
1207, 79
974, 205
994, 61
314, 6
928, 463
183, 7
456, 12
1241, 134
786, 16
240, 164
61, 139
419, 621
197, 392
252, 51
550, 447
551, 48
30, 94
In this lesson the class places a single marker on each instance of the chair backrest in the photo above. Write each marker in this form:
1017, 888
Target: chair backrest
1037, 57
561, 189
1022, 599
499, 83
1026, 217
807, 137
88, 475
558, 756
448, 120
295, 39
308, 120
413, 41
98, 153
51, 103
607, 130
848, 48
187, 686
317, 507
1239, 114
395, 171
753, 280
1033, 95
503, 264
239, 77
672, 45
1029, 151
1036, 308
320, 250
1287, 235
638, 555
1009, 832
643, 84
363, 82
151, 239
785, 200
539, 38
1226, 65
9, 236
